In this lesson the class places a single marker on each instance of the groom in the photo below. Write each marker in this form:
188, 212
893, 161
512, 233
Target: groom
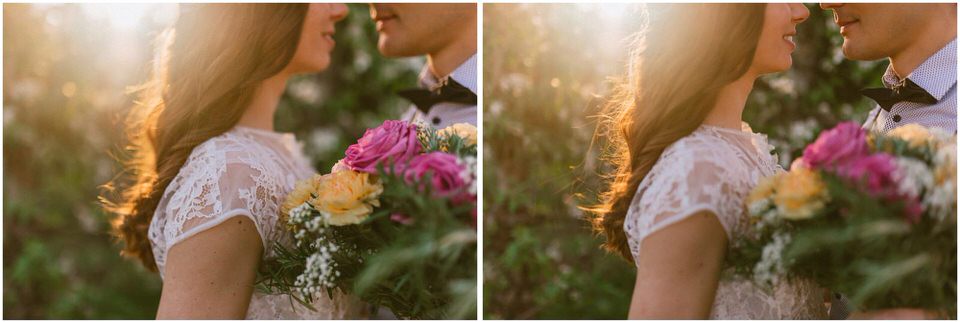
446, 33
920, 41
919, 86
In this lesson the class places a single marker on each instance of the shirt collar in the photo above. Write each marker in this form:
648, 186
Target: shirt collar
465, 74
936, 75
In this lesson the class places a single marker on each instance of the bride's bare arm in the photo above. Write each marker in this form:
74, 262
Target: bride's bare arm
211, 275
679, 268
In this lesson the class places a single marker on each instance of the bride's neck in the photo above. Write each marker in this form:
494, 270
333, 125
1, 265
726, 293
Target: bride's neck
260, 112
728, 110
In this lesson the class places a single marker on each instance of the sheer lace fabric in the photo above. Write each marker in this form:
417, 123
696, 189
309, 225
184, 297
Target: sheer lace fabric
243, 172
713, 169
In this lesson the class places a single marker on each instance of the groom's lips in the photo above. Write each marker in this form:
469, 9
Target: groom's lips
845, 25
382, 21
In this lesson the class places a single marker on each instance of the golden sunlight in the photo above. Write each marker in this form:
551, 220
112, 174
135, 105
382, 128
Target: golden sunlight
130, 15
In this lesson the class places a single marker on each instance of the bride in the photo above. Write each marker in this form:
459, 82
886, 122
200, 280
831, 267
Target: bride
208, 172
686, 161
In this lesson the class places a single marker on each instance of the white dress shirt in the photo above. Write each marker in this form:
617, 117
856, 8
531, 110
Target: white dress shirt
938, 76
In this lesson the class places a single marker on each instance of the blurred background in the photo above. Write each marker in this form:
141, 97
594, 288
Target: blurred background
66, 70
545, 67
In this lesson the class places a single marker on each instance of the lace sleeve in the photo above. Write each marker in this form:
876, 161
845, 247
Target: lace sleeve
689, 177
215, 186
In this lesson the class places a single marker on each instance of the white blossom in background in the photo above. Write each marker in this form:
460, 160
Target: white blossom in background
516, 83
8, 114
306, 91
803, 131
783, 152
837, 56
496, 108
784, 85
824, 108
362, 60
324, 139
26, 89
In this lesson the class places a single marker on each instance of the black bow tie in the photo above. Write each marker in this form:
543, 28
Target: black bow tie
905, 91
449, 91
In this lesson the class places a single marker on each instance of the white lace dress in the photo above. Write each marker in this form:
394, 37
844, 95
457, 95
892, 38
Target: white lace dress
713, 169
243, 172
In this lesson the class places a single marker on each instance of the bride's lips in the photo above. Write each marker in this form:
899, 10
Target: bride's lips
328, 35
384, 21
788, 38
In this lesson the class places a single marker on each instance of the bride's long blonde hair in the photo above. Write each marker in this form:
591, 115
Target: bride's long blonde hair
678, 64
208, 67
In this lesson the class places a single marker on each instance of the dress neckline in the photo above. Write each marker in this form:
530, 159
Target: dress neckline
759, 141
745, 129
266, 133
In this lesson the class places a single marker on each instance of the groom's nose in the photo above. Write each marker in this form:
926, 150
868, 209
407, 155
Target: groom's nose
831, 5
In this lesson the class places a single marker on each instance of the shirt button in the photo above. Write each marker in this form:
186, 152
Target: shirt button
436, 120
896, 118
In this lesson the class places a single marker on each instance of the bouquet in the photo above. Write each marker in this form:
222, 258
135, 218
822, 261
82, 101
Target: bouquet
394, 224
871, 216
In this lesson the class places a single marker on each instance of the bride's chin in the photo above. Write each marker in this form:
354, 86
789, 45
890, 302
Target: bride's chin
316, 67
780, 66
323, 67
786, 65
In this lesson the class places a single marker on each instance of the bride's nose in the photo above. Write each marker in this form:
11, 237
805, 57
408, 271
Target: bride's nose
338, 12
799, 12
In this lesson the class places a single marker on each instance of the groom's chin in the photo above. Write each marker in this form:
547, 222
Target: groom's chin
391, 49
855, 51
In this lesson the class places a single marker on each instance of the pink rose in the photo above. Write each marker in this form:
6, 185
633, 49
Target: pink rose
875, 175
444, 170
392, 142
844, 143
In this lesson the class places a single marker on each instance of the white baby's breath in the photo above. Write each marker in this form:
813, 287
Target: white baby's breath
320, 271
469, 173
941, 200
913, 176
770, 269
757, 208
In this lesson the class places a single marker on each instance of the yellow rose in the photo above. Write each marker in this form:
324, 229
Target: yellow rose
301, 193
763, 190
799, 194
916, 135
347, 197
465, 131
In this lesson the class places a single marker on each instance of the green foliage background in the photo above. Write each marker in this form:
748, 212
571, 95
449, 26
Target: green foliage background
544, 64
65, 73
